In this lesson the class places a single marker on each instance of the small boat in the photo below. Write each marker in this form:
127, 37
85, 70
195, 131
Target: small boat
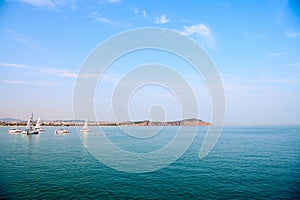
85, 128
14, 130
38, 126
62, 131
29, 130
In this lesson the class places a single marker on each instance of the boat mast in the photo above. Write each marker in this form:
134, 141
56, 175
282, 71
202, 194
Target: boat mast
31, 120
85, 124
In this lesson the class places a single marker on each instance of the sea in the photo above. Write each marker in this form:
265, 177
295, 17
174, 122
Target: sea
247, 162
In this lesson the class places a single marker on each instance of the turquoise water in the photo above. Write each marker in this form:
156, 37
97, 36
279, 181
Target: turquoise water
247, 162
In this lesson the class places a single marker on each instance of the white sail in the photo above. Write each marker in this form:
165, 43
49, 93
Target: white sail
29, 123
85, 124
38, 125
85, 128
29, 130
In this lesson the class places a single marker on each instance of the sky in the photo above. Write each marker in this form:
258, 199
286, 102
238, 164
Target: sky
255, 45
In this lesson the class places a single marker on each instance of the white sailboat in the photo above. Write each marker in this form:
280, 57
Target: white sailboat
38, 126
85, 128
29, 130
14, 130
62, 131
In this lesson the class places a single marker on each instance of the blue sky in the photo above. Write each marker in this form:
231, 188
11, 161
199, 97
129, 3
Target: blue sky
254, 44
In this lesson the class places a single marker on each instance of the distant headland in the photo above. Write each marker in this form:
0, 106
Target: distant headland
184, 122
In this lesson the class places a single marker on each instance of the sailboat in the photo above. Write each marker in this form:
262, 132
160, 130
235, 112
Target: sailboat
29, 130
38, 126
62, 131
14, 130
85, 128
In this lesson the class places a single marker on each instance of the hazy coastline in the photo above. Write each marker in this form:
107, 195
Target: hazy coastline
184, 122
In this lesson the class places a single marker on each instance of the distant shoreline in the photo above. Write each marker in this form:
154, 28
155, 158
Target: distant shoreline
185, 122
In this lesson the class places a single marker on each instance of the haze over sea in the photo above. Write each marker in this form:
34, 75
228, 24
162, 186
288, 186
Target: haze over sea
247, 162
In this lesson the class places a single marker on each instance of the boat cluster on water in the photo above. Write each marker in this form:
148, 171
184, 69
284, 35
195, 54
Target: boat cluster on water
30, 129
37, 129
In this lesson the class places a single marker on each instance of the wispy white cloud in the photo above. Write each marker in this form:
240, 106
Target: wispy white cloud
69, 74
199, 29
36, 83
23, 39
50, 71
265, 80
296, 64
53, 71
184, 20
51, 4
88, 75
293, 34
260, 84
162, 19
114, 1
60, 72
99, 18
110, 1
103, 20
13, 65
41, 3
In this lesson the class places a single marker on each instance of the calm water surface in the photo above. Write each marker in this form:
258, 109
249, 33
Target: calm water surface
247, 162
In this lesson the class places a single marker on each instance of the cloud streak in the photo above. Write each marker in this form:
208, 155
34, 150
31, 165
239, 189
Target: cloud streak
103, 20
99, 18
24, 40
40, 3
296, 64
60, 72
69, 74
51, 4
36, 83
114, 1
13, 65
110, 1
261, 84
